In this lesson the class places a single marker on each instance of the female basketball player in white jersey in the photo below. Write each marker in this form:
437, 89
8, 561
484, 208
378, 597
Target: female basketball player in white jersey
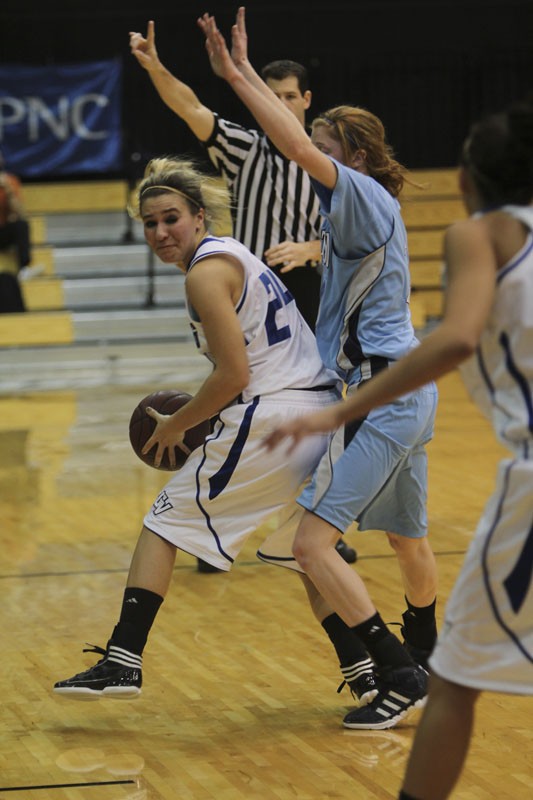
266, 364
487, 639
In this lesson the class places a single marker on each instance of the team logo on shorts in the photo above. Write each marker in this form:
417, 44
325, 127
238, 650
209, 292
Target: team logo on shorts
161, 504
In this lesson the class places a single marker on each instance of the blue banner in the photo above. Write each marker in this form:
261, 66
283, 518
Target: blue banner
61, 120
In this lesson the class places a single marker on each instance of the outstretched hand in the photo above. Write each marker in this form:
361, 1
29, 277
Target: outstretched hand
319, 422
239, 39
144, 49
165, 437
215, 44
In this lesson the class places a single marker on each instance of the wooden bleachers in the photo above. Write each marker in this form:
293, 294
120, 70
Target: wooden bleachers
427, 211
43, 294
48, 321
82, 197
37, 229
43, 255
35, 328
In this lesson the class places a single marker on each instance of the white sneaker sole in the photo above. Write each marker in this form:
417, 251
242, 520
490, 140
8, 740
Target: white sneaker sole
112, 692
389, 722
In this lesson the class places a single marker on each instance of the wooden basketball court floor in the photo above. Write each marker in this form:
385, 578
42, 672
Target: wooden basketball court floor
240, 686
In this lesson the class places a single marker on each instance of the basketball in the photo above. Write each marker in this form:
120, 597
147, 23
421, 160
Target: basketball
142, 426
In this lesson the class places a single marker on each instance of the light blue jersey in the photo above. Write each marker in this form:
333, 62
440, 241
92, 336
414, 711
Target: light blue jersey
375, 470
364, 304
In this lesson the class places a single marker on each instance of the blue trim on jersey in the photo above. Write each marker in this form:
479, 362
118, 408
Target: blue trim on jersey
272, 559
220, 479
518, 581
484, 372
204, 255
526, 558
243, 297
521, 256
352, 346
519, 378
198, 502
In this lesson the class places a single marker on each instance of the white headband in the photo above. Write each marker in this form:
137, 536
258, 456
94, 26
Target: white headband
172, 189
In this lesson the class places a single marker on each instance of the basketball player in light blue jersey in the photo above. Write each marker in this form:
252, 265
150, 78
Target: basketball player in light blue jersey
364, 253
375, 471
487, 639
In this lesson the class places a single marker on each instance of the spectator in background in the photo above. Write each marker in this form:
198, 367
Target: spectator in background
14, 227
14, 241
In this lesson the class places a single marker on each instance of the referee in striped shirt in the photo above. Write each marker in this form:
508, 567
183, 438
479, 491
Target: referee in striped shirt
276, 211
276, 208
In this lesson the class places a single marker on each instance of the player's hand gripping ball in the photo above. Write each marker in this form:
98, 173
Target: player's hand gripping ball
142, 426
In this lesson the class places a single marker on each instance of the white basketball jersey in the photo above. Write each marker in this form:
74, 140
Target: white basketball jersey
499, 377
281, 348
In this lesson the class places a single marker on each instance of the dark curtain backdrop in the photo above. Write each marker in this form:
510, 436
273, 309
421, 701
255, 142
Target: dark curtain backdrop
427, 68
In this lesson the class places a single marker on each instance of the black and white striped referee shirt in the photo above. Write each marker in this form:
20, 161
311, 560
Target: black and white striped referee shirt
274, 199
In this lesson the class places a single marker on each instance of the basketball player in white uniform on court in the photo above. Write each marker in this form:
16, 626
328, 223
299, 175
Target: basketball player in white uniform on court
486, 643
266, 364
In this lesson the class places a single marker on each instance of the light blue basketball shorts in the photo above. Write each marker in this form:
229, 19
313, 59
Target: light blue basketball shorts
375, 472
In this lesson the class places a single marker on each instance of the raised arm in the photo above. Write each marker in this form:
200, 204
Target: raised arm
177, 95
239, 51
281, 127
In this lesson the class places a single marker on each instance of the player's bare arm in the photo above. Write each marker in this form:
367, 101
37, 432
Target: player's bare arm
279, 124
212, 289
178, 96
319, 422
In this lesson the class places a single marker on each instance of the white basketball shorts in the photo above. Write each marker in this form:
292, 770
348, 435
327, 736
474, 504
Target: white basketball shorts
487, 638
231, 484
